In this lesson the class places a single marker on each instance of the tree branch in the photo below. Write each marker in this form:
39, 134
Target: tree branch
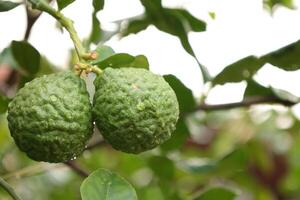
76, 168
245, 103
9, 189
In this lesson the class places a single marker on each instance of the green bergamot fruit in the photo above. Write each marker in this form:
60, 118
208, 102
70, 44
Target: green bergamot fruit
50, 118
134, 109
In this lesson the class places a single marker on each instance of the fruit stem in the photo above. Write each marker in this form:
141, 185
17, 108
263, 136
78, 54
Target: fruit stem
9, 189
66, 23
88, 68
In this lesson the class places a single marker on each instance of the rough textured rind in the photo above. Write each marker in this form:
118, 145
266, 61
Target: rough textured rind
50, 118
134, 109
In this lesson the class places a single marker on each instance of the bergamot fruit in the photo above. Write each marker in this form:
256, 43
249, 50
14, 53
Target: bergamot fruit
50, 118
134, 109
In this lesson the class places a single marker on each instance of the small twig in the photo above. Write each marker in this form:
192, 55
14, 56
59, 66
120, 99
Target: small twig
9, 189
66, 23
245, 103
30, 170
74, 166
32, 17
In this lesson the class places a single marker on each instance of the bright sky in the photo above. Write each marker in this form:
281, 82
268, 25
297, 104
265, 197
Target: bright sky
241, 28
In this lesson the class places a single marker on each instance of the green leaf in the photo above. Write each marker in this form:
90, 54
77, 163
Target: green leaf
140, 61
179, 136
135, 26
103, 53
240, 70
271, 4
123, 60
103, 185
255, 89
193, 23
173, 22
212, 15
186, 102
184, 95
197, 166
64, 3
7, 58
285, 95
46, 67
286, 58
217, 193
98, 5
3, 104
96, 33
27, 57
165, 170
7, 5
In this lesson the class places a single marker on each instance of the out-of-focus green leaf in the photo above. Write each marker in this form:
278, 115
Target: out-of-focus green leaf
96, 33
235, 161
135, 26
7, 58
103, 184
217, 193
98, 5
178, 138
184, 95
240, 70
168, 190
24, 79
191, 21
255, 89
286, 58
3, 104
197, 166
7, 5
63, 3
103, 53
162, 167
27, 57
270, 4
151, 193
212, 15
123, 60
285, 95
173, 22
46, 67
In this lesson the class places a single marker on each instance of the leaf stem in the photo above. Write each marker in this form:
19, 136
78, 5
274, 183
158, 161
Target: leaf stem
9, 189
66, 23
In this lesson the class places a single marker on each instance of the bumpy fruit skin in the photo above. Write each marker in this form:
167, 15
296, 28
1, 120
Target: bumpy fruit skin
134, 109
50, 118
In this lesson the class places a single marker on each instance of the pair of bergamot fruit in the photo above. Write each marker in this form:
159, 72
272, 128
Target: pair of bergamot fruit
51, 118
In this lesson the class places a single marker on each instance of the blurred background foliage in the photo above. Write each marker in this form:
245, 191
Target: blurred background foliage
230, 151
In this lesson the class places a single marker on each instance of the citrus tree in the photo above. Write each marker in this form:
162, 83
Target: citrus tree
109, 128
